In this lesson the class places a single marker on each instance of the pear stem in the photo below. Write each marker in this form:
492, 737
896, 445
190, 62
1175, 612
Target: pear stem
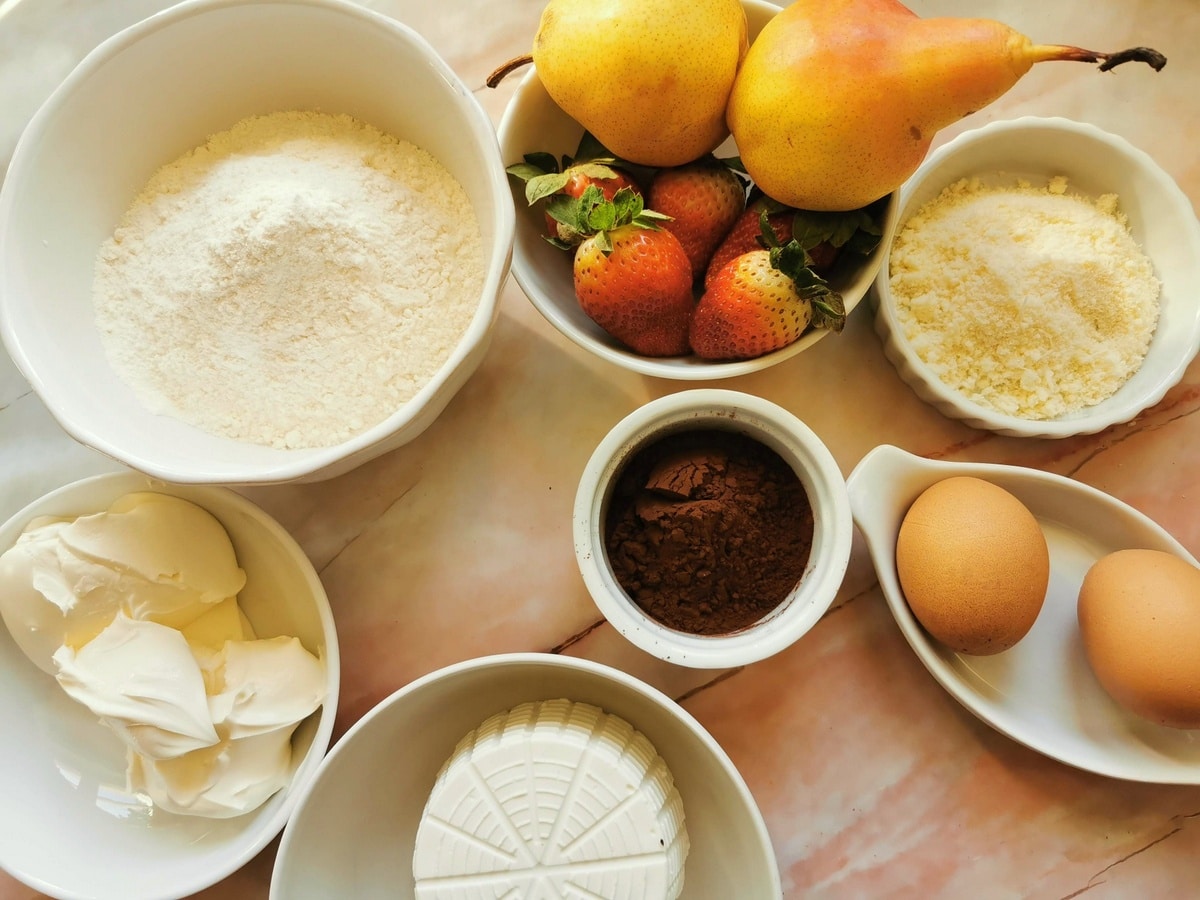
511, 66
1048, 52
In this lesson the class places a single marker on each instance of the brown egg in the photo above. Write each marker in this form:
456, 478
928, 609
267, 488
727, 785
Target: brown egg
974, 565
1139, 616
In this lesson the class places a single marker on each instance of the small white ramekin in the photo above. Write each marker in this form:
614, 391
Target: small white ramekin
1094, 162
773, 426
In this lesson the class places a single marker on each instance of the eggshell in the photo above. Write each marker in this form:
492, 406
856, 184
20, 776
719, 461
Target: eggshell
973, 564
1139, 618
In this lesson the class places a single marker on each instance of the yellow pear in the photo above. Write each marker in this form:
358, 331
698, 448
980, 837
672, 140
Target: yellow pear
837, 101
650, 80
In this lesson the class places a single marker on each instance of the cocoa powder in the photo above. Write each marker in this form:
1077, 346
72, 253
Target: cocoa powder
708, 530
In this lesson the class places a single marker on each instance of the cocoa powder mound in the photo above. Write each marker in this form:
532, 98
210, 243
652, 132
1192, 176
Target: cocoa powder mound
708, 530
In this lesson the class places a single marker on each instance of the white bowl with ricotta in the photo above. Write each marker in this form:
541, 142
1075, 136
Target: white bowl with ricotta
356, 830
953, 375
299, 338
73, 825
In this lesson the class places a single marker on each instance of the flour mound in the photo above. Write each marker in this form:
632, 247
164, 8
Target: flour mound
292, 282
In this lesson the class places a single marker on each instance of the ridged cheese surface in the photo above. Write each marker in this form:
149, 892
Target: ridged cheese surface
552, 799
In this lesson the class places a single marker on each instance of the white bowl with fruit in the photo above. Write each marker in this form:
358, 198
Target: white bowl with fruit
737, 342
825, 116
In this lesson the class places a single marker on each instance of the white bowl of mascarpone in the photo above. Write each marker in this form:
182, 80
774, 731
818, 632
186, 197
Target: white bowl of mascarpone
170, 671
1041, 280
254, 241
496, 774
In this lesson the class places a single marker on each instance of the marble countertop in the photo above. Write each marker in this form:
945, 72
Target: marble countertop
873, 781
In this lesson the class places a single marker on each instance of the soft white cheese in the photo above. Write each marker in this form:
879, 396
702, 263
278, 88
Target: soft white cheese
222, 622
135, 613
552, 799
230, 778
264, 685
141, 680
151, 556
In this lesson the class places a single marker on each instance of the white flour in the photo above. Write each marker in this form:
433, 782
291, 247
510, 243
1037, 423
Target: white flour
292, 282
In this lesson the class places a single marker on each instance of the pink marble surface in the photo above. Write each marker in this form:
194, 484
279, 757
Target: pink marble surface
873, 781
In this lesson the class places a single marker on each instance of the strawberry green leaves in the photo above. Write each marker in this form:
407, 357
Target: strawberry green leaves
593, 214
541, 182
794, 261
858, 230
547, 181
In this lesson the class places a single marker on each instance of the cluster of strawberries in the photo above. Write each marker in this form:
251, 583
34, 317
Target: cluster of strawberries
699, 261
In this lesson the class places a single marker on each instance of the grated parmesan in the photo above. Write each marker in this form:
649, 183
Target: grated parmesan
1030, 301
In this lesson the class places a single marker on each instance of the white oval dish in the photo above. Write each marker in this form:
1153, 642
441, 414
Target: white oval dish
1095, 162
1041, 692
68, 826
353, 832
532, 122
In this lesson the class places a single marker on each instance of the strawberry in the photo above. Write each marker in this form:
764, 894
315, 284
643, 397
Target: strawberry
762, 301
632, 277
703, 199
545, 178
824, 255
745, 235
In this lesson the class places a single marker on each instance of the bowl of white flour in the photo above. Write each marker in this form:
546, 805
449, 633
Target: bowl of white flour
1041, 280
253, 242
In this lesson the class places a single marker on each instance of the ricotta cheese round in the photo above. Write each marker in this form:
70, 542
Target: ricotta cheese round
552, 799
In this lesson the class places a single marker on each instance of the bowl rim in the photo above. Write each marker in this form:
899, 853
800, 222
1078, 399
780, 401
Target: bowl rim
530, 659
828, 496
289, 465
956, 405
306, 770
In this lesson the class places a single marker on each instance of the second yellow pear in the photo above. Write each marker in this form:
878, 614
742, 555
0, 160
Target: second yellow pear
650, 80
837, 101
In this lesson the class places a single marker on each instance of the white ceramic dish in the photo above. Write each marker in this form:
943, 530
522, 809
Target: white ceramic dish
533, 122
781, 431
68, 826
158, 89
1095, 162
1041, 692
353, 832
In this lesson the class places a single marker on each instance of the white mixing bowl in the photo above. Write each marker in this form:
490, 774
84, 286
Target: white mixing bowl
68, 826
159, 89
354, 831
